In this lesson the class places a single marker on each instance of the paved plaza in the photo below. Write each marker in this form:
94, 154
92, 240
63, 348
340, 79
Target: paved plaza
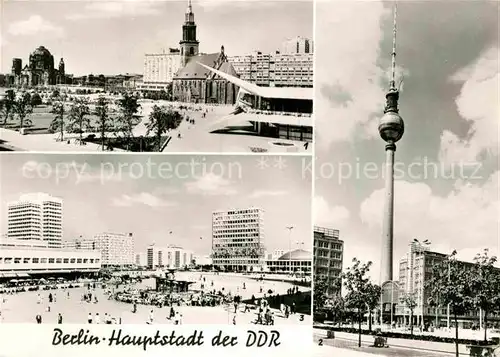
198, 137
23, 307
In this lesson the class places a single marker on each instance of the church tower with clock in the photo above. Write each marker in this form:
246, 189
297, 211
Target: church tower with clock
189, 44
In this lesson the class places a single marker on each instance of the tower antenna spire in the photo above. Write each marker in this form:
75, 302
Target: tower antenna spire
393, 55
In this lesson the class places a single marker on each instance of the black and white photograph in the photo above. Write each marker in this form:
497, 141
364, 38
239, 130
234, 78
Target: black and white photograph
406, 201
135, 239
189, 76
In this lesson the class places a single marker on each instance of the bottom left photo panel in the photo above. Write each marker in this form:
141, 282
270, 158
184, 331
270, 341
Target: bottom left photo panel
134, 239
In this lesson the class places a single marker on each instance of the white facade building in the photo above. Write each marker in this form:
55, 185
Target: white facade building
238, 239
172, 257
160, 69
80, 243
117, 249
21, 258
36, 216
275, 70
141, 259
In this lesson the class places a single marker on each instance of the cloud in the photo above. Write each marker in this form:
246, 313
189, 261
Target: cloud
115, 9
213, 5
143, 198
211, 184
264, 193
348, 99
35, 25
329, 216
467, 217
477, 103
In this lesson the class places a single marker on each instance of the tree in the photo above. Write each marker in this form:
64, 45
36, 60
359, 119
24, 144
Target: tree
36, 100
485, 282
8, 105
358, 289
58, 122
127, 120
450, 281
161, 120
104, 123
23, 107
409, 300
78, 116
319, 294
373, 293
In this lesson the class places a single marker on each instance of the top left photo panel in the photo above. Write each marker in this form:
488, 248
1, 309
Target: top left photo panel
208, 76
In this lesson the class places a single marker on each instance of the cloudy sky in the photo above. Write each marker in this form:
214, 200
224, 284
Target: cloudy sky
112, 37
153, 196
447, 175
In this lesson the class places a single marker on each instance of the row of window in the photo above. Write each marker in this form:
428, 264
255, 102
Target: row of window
9, 260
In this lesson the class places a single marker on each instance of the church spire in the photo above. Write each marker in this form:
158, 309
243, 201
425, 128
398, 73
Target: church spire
189, 13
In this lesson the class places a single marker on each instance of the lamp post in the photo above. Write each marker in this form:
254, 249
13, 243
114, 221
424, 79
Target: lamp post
290, 228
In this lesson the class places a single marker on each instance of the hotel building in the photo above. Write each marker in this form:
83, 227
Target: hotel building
328, 255
80, 243
22, 259
160, 69
36, 216
117, 249
171, 257
238, 239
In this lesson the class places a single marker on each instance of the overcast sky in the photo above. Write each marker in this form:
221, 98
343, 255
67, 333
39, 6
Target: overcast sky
153, 196
447, 56
112, 37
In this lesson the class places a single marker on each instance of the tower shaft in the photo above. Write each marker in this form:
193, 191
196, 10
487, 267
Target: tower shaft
387, 227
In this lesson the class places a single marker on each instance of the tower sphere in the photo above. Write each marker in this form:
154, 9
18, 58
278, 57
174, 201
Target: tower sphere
391, 127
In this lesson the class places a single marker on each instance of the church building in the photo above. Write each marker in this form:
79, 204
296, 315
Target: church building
195, 84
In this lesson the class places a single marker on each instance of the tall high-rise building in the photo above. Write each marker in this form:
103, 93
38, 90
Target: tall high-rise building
328, 256
238, 239
117, 249
297, 45
415, 270
36, 216
276, 69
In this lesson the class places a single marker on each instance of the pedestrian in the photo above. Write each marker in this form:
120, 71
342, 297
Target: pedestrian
89, 319
151, 317
97, 318
38, 319
59, 318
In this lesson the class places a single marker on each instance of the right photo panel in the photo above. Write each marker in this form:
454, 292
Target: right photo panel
406, 206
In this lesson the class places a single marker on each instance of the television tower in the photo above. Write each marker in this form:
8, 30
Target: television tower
391, 129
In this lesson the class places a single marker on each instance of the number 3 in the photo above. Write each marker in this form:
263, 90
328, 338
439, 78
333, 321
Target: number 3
301, 317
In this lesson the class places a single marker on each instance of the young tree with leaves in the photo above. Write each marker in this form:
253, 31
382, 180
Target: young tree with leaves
485, 282
358, 287
127, 119
78, 115
410, 302
161, 120
373, 294
57, 123
104, 123
450, 281
23, 107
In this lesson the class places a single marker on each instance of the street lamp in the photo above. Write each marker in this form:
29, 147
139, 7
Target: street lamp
290, 247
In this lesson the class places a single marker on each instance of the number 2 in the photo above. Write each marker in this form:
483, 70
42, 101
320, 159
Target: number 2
320, 342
